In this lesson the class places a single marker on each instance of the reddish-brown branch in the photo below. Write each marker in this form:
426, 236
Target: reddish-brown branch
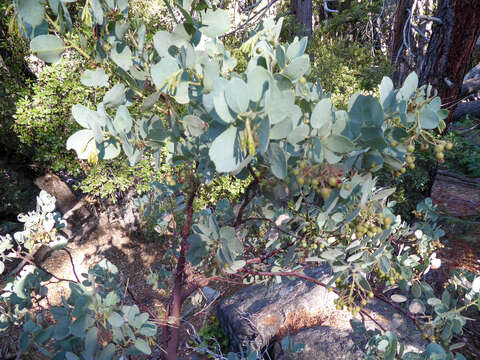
247, 198
363, 312
398, 308
288, 273
173, 333
73, 265
262, 258
31, 262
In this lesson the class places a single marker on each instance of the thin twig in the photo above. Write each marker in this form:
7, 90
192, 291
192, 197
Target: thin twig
247, 198
363, 312
259, 12
73, 265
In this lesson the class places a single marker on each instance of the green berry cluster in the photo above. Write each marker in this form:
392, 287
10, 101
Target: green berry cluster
357, 295
368, 224
323, 178
440, 148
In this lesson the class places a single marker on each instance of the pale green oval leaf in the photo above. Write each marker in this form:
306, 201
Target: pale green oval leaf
215, 23
94, 78
82, 142
49, 48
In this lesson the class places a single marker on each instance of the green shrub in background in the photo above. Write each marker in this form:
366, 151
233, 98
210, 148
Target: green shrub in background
465, 156
107, 179
345, 68
412, 187
344, 59
43, 120
13, 78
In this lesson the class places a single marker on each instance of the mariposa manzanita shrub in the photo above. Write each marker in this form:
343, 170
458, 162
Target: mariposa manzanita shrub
312, 194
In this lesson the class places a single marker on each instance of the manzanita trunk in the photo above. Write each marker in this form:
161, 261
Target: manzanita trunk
451, 47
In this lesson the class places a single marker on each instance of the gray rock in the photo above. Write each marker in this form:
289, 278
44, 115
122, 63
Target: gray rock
253, 316
258, 314
321, 343
210, 294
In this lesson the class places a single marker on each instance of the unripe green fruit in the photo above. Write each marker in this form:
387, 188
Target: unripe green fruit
370, 234
296, 172
439, 148
403, 170
373, 165
347, 187
439, 155
410, 148
302, 80
449, 146
411, 166
363, 302
370, 294
302, 164
300, 180
394, 143
387, 221
332, 181
325, 192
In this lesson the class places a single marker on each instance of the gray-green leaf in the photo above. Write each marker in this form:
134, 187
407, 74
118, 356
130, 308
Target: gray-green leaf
49, 48
215, 23
95, 78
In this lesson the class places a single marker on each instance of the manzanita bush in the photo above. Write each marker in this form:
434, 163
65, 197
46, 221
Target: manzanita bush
312, 194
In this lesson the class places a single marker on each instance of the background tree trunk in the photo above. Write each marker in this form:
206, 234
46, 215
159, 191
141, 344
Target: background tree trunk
401, 18
451, 47
303, 14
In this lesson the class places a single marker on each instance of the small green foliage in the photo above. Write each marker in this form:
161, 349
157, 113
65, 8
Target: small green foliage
16, 193
107, 180
211, 336
224, 186
464, 157
14, 75
43, 120
345, 68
